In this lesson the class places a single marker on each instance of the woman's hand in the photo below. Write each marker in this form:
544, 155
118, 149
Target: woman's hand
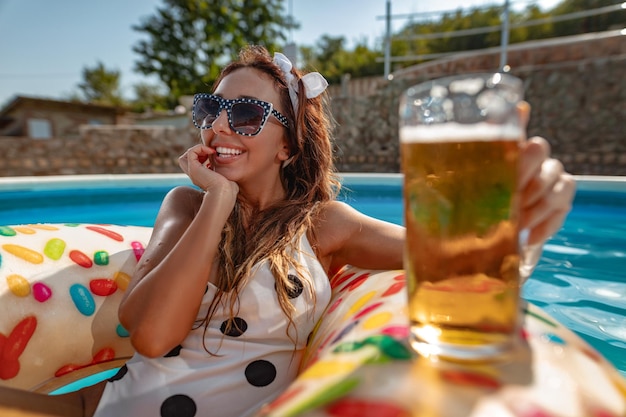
196, 163
546, 191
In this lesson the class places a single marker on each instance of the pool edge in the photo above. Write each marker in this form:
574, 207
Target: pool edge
583, 182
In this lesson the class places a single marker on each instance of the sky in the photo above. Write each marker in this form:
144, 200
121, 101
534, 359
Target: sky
46, 44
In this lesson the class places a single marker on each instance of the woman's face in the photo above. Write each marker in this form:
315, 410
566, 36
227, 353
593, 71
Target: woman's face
245, 159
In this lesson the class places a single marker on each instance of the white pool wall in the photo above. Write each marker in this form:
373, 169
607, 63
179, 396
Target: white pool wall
34, 183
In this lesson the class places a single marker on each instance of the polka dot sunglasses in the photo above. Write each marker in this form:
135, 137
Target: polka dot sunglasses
246, 116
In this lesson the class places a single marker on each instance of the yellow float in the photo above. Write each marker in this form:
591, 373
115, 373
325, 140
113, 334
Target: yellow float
60, 285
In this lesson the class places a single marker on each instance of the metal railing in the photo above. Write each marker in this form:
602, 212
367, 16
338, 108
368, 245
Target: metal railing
505, 27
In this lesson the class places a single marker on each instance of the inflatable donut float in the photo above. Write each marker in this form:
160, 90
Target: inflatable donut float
61, 284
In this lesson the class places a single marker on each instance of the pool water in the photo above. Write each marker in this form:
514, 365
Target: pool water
580, 279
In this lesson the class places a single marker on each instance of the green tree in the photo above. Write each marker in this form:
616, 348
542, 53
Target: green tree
149, 96
325, 57
101, 86
188, 41
605, 21
481, 28
330, 57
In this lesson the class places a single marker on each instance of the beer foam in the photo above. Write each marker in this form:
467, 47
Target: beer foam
457, 132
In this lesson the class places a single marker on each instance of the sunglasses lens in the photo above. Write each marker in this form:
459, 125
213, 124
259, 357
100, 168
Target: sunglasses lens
206, 111
247, 117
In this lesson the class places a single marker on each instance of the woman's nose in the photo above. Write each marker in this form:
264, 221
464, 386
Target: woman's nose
220, 125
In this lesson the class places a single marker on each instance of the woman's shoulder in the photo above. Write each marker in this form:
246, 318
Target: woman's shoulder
184, 191
183, 194
181, 202
335, 222
338, 212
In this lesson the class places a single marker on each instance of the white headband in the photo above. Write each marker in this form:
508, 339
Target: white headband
314, 83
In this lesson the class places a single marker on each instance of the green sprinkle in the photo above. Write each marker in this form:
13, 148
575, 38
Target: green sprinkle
328, 395
389, 346
101, 257
7, 231
54, 249
540, 318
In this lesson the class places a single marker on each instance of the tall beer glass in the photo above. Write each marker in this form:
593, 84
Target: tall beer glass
460, 139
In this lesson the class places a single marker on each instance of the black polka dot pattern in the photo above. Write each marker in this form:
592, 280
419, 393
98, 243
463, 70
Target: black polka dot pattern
238, 326
260, 373
174, 352
178, 406
296, 286
120, 374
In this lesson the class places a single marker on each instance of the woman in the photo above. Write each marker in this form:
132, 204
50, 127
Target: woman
235, 276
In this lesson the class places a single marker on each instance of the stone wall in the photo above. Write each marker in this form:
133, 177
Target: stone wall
576, 87
100, 150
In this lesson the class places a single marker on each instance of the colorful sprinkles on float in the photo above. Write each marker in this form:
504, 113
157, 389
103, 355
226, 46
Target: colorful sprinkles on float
60, 285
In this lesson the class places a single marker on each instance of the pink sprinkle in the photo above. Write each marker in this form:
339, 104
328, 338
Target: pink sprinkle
41, 292
137, 249
398, 331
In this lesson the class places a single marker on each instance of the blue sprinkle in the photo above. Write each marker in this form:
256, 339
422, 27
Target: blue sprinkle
83, 300
344, 332
551, 337
121, 331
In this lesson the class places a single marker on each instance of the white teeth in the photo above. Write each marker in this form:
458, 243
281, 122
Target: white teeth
228, 151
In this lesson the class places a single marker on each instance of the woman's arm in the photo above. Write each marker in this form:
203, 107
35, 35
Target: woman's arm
349, 237
163, 298
346, 236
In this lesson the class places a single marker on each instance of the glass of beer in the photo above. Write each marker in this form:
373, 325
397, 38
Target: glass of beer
460, 141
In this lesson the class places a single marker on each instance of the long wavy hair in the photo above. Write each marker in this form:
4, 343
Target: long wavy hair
310, 181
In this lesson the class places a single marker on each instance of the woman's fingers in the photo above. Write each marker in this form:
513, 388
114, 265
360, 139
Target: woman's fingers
195, 161
546, 216
535, 151
523, 112
546, 190
543, 182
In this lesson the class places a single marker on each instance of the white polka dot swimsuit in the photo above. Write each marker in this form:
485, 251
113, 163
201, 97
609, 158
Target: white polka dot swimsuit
255, 362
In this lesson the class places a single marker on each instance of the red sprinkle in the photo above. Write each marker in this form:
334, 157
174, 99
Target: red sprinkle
108, 233
363, 408
367, 310
340, 280
335, 305
9, 368
12, 347
66, 369
396, 287
356, 283
104, 355
81, 259
19, 337
102, 286
400, 277
470, 378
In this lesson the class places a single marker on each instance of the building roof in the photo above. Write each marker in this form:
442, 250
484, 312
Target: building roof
19, 101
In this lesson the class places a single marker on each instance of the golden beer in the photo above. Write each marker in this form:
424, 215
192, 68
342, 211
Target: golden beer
462, 251
462, 256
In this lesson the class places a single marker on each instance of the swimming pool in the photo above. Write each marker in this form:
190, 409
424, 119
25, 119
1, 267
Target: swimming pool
580, 279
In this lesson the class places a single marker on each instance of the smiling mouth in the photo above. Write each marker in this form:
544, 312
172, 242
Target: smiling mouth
223, 152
